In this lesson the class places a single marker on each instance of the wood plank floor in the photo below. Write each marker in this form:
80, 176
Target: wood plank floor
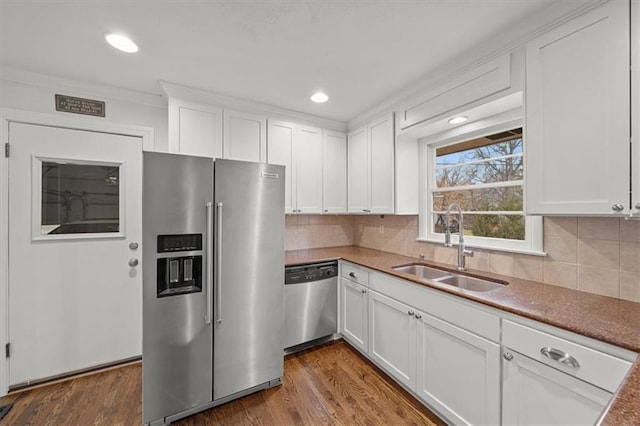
332, 384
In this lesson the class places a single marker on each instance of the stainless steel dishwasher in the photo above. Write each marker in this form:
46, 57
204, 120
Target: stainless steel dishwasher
310, 303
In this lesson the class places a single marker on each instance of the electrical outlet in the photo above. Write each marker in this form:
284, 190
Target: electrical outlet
381, 229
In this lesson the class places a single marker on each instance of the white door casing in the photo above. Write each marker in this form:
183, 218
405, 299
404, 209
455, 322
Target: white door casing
83, 300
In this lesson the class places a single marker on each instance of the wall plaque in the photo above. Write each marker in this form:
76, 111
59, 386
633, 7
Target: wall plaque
79, 105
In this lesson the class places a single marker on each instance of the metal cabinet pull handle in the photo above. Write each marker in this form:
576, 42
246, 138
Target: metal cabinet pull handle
411, 313
561, 356
508, 356
617, 207
207, 318
353, 275
364, 290
219, 266
418, 316
133, 262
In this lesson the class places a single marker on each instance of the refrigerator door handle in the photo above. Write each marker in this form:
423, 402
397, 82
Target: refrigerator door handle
219, 266
209, 257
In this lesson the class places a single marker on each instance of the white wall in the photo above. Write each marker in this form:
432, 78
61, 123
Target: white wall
36, 93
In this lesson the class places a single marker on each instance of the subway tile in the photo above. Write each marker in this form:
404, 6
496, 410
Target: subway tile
629, 256
630, 230
630, 286
560, 273
501, 263
561, 249
600, 253
603, 281
599, 228
479, 261
528, 267
560, 226
445, 255
291, 220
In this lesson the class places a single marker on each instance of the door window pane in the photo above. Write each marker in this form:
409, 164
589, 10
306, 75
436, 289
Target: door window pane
79, 198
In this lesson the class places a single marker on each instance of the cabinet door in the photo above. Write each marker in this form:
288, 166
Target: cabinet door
334, 165
195, 129
536, 394
392, 337
354, 314
358, 171
382, 148
458, 373
280, 151
577, 115
308, 177
245, 137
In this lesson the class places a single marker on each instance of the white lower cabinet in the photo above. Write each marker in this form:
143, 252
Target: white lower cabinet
536, 394
354, 324
474, 365
458, 373
550, 380
392, 337
454, 371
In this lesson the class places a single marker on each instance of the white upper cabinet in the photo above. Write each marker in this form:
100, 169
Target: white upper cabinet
245, 136
280, 151
578, 117
382, 147
358, 171
299, 149
195, 129
371, 167
308, 164
334, 175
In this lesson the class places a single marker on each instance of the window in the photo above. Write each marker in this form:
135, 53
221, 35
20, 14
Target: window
78, 198
485, 177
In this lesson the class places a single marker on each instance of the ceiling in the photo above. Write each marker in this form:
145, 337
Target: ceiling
273, 52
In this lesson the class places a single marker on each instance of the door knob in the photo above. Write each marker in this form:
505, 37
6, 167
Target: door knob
133, 245
133, 262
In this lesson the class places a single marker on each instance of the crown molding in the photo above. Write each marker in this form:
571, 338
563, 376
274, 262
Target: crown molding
192, 94
506, 42
77, 88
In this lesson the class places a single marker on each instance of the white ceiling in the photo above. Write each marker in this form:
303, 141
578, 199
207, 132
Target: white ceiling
274, 52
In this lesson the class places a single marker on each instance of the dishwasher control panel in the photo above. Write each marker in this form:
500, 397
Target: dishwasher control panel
313, 272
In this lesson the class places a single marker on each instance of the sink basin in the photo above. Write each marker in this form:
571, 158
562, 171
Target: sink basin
469, 283
439, 276
422, 271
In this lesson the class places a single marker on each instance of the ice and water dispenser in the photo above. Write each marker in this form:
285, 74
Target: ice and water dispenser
179, 264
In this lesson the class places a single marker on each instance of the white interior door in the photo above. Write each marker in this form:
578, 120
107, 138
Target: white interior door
74, 210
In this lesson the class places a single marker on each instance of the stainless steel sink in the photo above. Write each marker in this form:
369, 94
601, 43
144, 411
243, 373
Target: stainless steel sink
440, 276
470, 283
422, 271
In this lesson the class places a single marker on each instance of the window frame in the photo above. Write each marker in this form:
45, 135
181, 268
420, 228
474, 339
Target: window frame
533, 241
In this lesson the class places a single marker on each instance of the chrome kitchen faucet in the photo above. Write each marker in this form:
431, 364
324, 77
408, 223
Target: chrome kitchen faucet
462, 251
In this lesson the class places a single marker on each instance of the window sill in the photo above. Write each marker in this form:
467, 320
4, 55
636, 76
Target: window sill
480, 247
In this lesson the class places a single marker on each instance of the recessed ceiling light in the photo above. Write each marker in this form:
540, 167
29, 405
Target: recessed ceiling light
458, 120
319, 97
121, 42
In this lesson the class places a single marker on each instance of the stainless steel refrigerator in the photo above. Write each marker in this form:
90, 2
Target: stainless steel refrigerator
213, 253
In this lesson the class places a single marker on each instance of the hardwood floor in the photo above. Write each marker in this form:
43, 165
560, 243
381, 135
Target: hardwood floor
332, 384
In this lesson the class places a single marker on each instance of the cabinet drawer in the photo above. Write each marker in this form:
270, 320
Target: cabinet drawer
590, 365
355, 274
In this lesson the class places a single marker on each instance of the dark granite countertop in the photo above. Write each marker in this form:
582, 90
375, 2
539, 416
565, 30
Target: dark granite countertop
603, 318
